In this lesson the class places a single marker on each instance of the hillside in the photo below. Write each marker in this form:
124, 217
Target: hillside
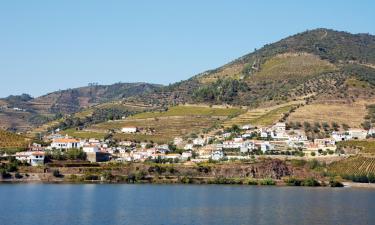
24, 112
316, 62
162, 126
10, 140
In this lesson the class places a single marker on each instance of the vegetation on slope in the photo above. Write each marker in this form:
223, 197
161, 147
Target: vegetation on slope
10, 140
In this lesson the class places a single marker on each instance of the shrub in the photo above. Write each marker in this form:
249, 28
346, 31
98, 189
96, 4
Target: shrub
18, 175
268, 182
310, 182
335, 183
250, 182
186, 180
293, 182
56, 173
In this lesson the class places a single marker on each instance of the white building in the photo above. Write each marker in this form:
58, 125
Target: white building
33, 158
90, 148
247, 146
177, 141
279, 127
337, 136
247, 127
188, 147
186, 155
198, 141
358, 134
266, 146
129, 130
217, 155
65, 143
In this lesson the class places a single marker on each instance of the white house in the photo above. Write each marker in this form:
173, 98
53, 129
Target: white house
341, 136
246, 136
33, 158
247, 146
371, 131
65, 143
186, 155
279, 127
247, 127
358, 134
266, 146
232, 144
217, 155
177, 141
173, 156
198, 141
90, 148
188, 147
129, 130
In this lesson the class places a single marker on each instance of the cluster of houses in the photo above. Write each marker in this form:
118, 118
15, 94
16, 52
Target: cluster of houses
222, 145
268, 140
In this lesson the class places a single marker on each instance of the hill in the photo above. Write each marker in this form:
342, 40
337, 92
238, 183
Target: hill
23, 112
316, 62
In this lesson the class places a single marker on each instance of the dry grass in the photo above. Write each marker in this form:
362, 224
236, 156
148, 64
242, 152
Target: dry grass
351, 114
228, 71
289, 65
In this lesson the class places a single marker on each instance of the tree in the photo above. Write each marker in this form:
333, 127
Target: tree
56, 173
75, 154
366, 125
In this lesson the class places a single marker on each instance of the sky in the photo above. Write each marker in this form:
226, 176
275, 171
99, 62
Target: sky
51, 45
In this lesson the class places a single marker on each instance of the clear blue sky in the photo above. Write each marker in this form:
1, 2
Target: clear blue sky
51, 45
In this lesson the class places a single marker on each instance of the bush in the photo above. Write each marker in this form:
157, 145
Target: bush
91, 177
250, 182
335, 183
293, 182
4, 174
268, 182
186, 180
18, 175
310, 182
56, 173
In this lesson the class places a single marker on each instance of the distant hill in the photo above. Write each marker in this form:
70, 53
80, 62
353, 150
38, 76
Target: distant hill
24, 112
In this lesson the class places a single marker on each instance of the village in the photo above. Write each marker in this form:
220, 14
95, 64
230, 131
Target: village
235, 143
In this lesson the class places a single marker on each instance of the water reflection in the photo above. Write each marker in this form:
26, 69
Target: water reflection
180, 204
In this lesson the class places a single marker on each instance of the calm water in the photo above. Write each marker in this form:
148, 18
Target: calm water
179, 204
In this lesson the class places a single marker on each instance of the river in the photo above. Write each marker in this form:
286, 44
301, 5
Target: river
101, 204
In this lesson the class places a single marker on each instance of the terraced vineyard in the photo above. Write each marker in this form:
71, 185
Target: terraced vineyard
361, 164
262, 116
162, 127
190, 110
11, 140
356, 165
